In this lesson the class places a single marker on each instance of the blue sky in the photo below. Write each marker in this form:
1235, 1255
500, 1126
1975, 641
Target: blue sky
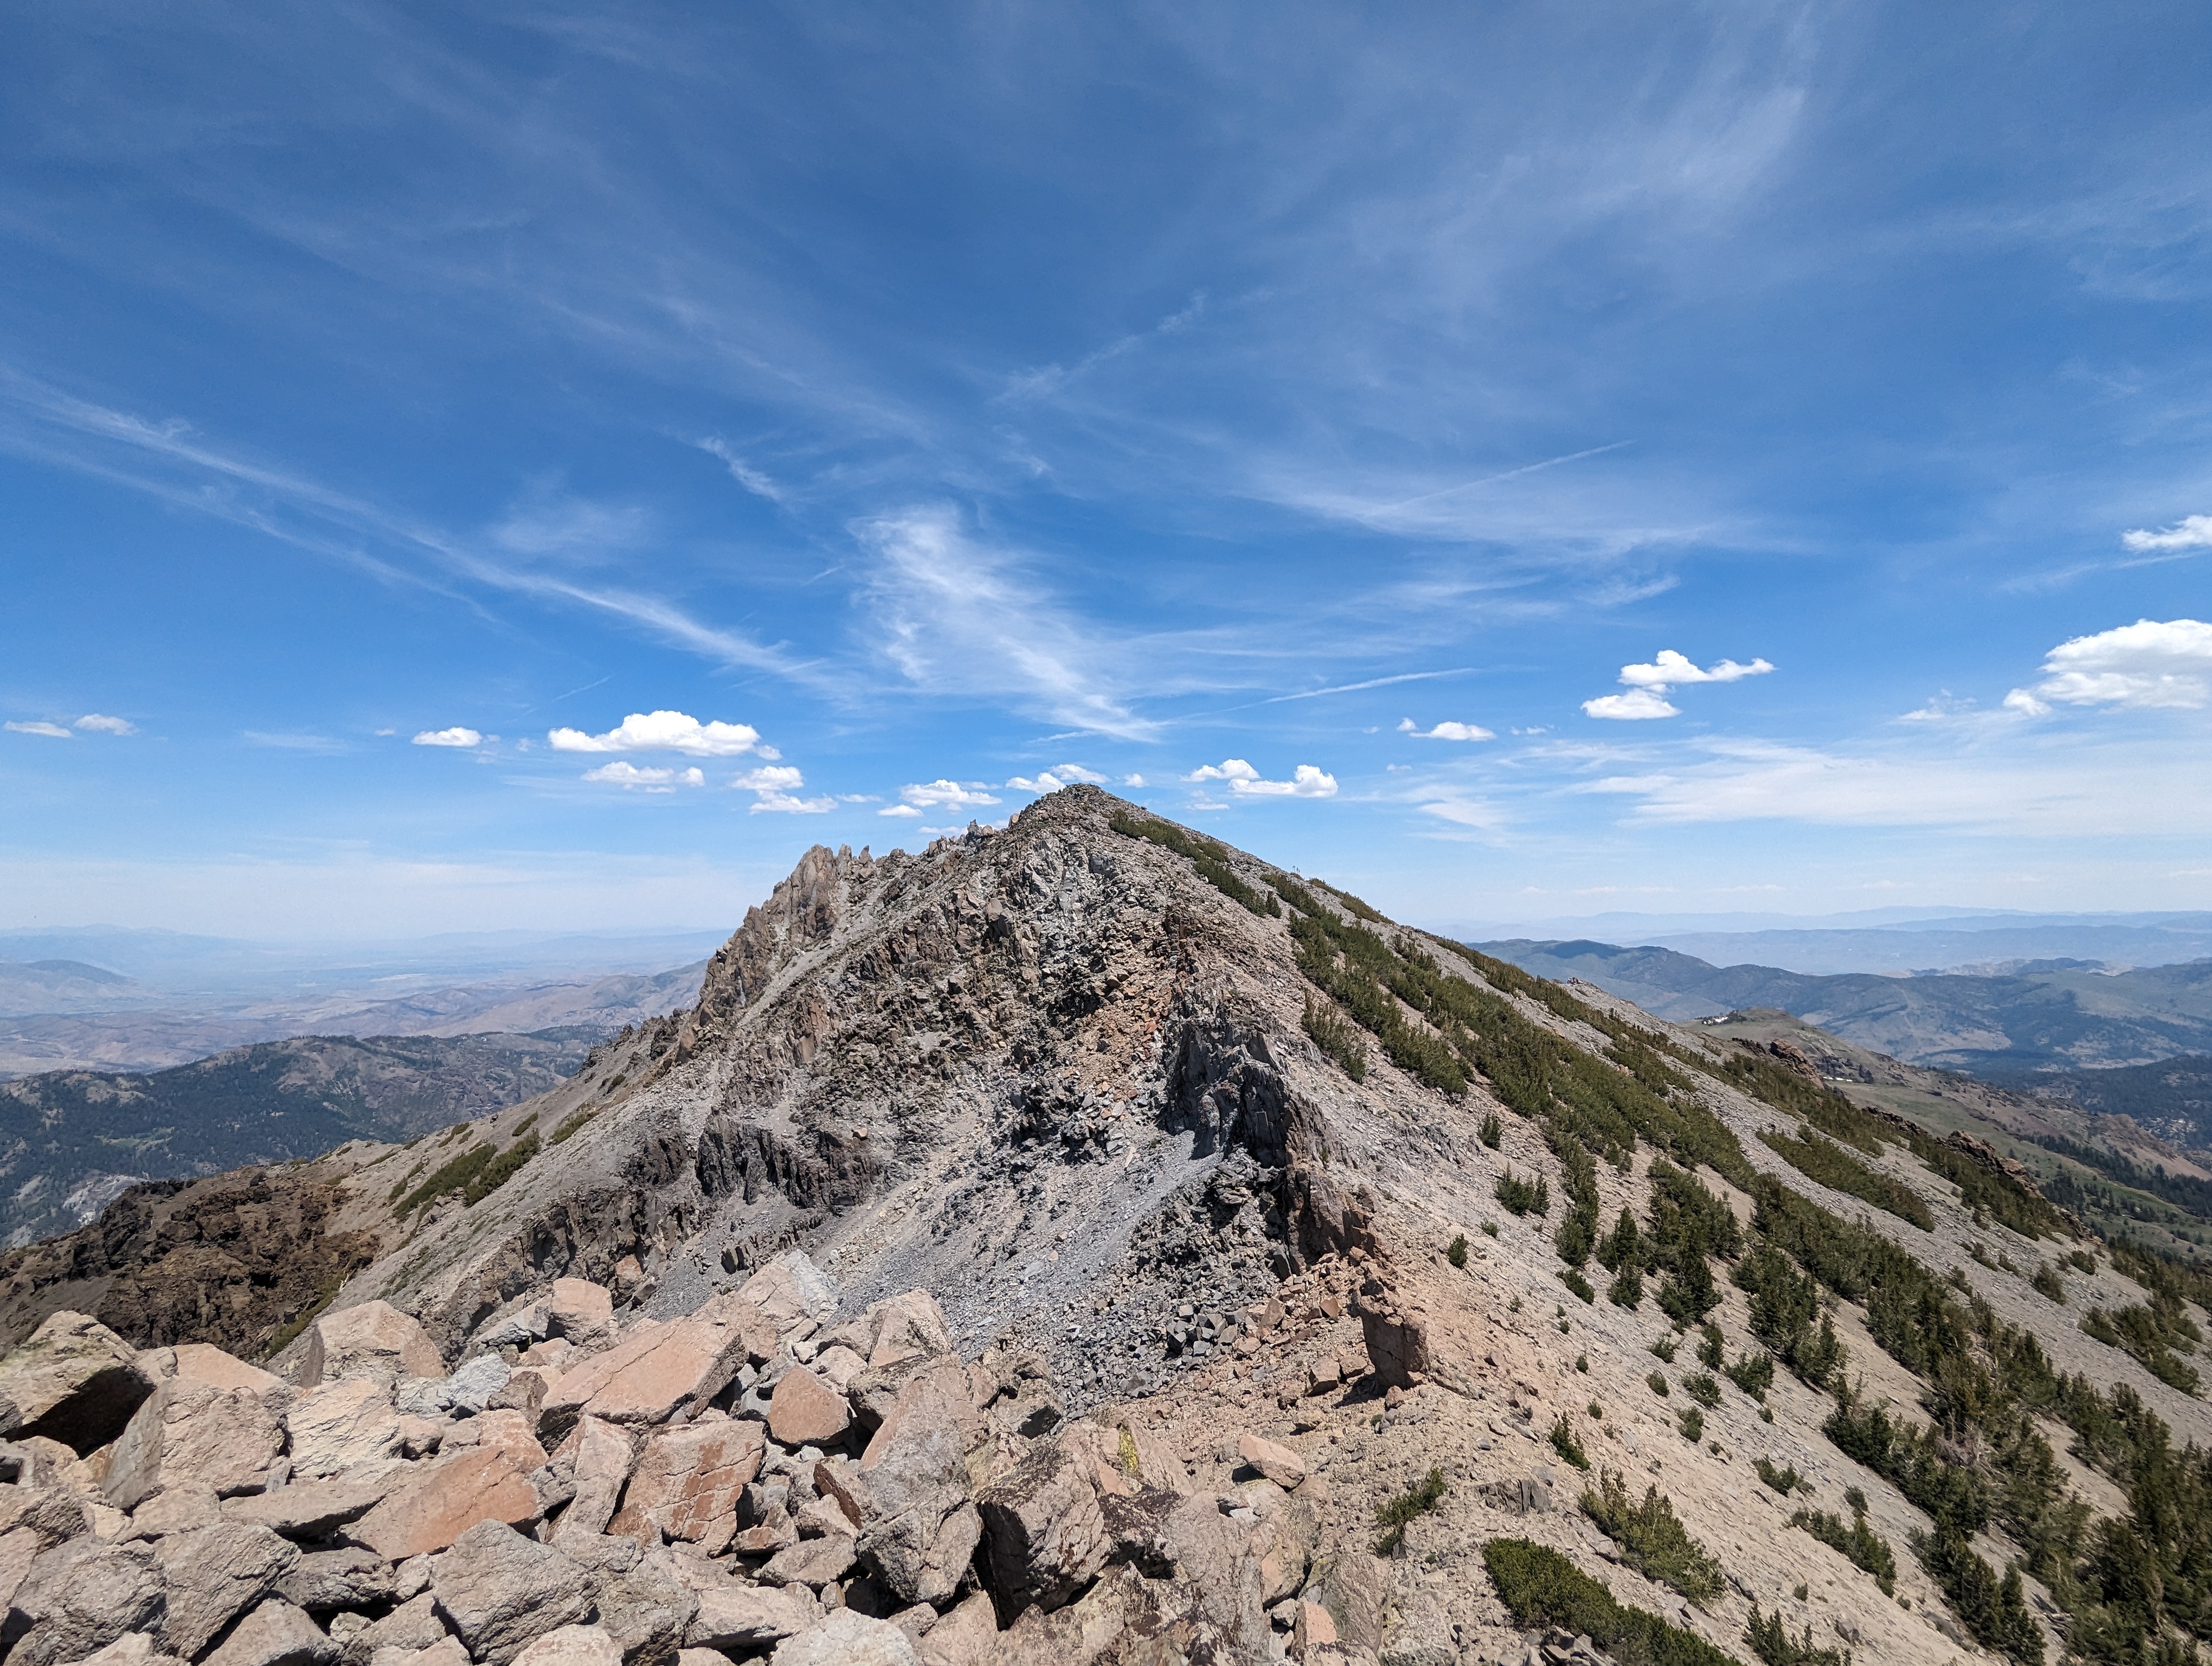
1515, 461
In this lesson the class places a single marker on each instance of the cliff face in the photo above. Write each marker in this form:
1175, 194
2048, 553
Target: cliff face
1097, 1085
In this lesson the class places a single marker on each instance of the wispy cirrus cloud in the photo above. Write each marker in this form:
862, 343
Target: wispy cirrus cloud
958, 617
632, 777
167, 461
90, 723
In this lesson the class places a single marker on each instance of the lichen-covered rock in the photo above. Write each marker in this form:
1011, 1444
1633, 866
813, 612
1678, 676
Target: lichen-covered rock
442, 1497
574, 1645
324, 1581
736, 1616
791, 1289
605, 1454
1042, 1528
580, 1312
647, 1607
313, 1509
909, 1497
805, 1411
659, 1367
75, 1381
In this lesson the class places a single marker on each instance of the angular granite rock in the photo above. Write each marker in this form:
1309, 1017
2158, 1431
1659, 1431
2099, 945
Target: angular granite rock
75, 1381
375, 1341
195, 1432
501, 1592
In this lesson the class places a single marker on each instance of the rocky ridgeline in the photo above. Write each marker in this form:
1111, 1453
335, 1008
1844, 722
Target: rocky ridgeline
756, 1480
1083, 1242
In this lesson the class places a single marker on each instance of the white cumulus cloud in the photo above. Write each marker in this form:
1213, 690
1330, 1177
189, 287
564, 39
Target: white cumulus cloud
456, 736
1132, 781
629, 777
1052, 780
1649, 685
773, 786
1307, 782
2191, 533
100, 723
1446, 730
666, 732
1671, 670
1635, 704
899, 810
52, 731
943, 795
2151, 663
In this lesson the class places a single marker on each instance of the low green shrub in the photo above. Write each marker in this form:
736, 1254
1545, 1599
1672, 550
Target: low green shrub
1784, 1480
1754, 1374
1540, 1587
1455, 1253
1832, 1166
1701, 1387
1994, 1610
1652, 1538
1521, 1198
1566, 1445
1771, 1641
1866, 1548
1338, 1037
1491, 1132
1395, 1514
570, 1123
1580, 1285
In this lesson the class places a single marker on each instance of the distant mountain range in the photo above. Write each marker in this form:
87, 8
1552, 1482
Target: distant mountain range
1891, 942
61, 1015
72, 1141
2053, 1014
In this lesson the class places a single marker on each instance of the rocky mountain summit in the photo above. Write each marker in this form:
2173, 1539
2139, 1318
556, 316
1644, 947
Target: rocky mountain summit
1085, 1242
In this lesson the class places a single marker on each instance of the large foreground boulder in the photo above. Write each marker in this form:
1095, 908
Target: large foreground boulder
75, 1381
193, 1432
